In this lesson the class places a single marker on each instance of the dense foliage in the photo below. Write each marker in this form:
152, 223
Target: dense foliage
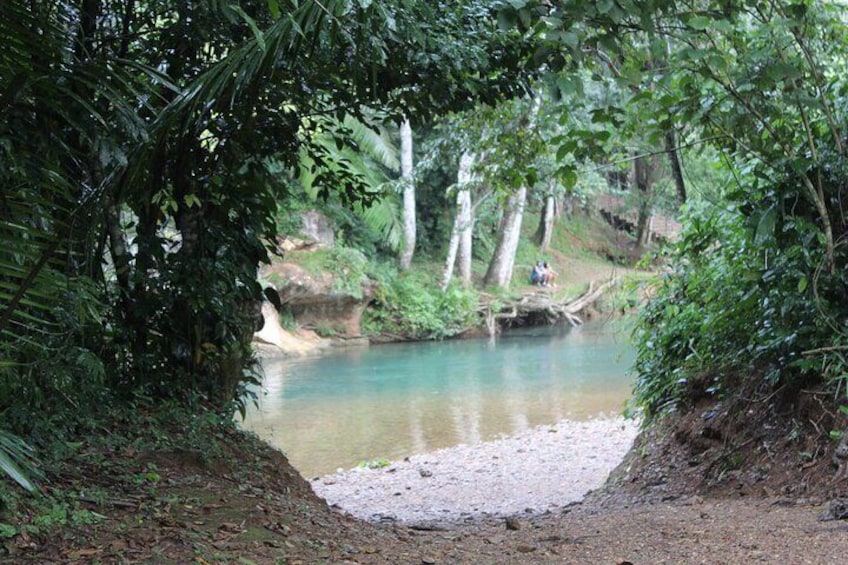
145, 148
412, 307
758, 287
756, 293
726, 312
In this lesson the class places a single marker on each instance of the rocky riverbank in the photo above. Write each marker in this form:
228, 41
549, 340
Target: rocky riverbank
538, 471
215, 495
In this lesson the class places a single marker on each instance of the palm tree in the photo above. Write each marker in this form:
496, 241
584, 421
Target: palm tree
47, 209
372, 157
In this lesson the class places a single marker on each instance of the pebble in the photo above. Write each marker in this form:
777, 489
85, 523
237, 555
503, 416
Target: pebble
512, 523
533, 471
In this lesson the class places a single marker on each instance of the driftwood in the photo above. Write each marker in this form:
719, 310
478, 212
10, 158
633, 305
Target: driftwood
591, 296
542, 303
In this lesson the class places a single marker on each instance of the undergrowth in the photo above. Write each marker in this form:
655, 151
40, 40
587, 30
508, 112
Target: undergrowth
730, 310
67, 495
412, 305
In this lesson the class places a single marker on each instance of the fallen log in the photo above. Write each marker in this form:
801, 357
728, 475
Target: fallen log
590, 296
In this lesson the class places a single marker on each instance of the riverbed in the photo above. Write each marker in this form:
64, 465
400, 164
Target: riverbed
369, 405
539, 471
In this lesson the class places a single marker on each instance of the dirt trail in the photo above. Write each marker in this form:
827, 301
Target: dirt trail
243, 502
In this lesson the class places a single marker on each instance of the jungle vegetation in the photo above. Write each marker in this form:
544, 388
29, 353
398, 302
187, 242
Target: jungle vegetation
152, 152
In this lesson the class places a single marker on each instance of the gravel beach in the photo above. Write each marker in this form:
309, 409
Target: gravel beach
540, 470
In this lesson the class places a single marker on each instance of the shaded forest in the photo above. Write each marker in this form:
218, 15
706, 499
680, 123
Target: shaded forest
153, 153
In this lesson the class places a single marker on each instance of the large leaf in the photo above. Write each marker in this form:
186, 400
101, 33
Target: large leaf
373, 141
16, 460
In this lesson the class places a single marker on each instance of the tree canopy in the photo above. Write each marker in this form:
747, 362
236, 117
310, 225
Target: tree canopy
757, 290
145, 148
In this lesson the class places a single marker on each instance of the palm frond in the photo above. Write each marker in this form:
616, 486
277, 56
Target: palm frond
373, 140
384, 217
48, 115
17, 460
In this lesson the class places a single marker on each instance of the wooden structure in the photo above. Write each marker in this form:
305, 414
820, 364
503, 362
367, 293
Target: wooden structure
615, 210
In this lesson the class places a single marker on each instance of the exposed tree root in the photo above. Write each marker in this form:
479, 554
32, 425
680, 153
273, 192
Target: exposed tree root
540, 304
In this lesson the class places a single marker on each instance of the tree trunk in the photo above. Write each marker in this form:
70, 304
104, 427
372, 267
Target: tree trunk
674, 161
118, 248
503, 259
408, 195
463, 224
546, 222
500, 268
453, 245
643, 173
465, 235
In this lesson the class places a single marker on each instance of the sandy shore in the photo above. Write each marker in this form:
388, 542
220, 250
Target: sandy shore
534, 472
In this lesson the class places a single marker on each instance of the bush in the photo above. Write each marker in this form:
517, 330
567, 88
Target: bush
732, 304
411, 305
349, 267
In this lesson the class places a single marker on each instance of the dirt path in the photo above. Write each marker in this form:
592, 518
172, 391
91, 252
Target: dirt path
513, 501
248, 505
689, 531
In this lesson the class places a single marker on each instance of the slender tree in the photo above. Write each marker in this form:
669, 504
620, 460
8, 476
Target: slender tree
463, 224
500, 268
499, 272
670, 141
547, 216
644, 176
408, 194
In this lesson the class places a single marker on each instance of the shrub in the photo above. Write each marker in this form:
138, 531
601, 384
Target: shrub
411, 304
730, 305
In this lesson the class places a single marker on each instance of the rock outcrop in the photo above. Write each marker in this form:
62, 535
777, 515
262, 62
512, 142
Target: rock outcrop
316, 306
272, 339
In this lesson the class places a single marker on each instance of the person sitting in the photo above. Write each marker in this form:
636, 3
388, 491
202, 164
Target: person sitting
536, 274
548, 274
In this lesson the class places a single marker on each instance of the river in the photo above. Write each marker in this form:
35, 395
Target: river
340, 409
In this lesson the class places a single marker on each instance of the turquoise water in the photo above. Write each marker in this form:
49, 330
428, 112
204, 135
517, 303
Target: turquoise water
342, 408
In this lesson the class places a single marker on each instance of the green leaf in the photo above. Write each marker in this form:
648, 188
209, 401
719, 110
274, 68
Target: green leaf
779, 71
191, 200
274, 8
507, 20
602, 136
765, 227
699, 23
257, 33
604, 6
14, 472
15, 453
609, 43
566, 148
569, 176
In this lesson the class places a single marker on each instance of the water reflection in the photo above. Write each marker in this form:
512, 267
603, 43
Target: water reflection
390, 401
